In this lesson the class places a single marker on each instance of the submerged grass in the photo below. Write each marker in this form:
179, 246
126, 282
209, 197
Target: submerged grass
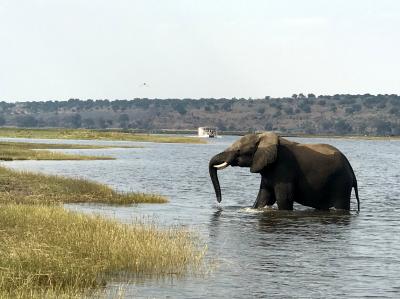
10, 151
93, 134
32, 188
46, 251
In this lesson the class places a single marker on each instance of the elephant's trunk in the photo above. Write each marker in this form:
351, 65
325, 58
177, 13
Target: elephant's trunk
219, 161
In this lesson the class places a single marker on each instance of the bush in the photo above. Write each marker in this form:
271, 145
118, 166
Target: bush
261, 110
343, 127
73, 121
327, 125
26, 121
268, 126
381, 105
227, 106
277, 113
354, 108
288, 110
395, 101
383, 127
89, 123
394, 111
308, 127
276, 104
180, 107
347, 101
371, 102
305, 107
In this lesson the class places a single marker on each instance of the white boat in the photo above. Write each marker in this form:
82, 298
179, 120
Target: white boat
209, 132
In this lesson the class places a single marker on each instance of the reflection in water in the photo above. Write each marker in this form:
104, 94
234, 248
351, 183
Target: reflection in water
290, 221
215, 216
258, 253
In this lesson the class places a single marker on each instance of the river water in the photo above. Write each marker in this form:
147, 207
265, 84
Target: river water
256, 254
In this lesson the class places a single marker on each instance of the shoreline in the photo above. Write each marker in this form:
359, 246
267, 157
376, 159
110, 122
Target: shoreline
157, 135
87, 134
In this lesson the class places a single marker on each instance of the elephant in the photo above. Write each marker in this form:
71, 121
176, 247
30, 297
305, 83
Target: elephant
313, 175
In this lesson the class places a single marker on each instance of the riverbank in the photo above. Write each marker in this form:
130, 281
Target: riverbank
85, 134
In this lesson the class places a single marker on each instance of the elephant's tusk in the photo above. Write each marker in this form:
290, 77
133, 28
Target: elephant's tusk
221, 166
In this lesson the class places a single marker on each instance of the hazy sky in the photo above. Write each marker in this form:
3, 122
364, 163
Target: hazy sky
59, 49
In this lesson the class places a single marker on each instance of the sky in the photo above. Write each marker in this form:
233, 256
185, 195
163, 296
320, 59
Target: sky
101, 49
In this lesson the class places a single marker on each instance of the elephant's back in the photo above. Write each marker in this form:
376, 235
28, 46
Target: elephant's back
317, 149
317, 157
317, 162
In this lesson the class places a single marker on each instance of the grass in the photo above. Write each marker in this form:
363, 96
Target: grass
46, 251
10, 151
49, 252
31, 188
94, 134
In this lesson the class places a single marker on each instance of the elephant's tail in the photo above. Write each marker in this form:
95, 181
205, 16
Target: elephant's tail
355, 186
356, 191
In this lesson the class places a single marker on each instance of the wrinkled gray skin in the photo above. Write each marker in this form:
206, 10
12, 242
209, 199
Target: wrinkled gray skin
314, 175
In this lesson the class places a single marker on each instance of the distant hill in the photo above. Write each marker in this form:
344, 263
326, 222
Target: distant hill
339, 114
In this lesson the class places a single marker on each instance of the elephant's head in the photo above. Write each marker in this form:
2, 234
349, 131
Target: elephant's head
254, 150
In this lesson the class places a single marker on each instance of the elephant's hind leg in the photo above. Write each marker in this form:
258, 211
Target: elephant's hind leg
342, 203
340, 197
284, 196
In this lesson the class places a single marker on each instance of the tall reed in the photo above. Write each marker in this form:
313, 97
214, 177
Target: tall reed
48, 250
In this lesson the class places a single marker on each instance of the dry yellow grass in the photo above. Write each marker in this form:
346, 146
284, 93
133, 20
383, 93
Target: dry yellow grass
47, 251
32, 188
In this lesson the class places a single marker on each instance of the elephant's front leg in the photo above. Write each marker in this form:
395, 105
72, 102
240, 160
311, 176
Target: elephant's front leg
265, 197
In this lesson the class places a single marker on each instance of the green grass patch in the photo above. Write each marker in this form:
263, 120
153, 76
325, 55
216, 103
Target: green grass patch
94, 134
10, 151
46, 251
32, 188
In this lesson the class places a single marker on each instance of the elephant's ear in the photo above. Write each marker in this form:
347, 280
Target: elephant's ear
266, 152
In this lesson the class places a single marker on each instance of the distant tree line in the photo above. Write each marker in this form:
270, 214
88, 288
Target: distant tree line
310, 114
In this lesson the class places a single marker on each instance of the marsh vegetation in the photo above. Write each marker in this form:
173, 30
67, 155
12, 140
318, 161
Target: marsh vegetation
47, 251
33, 188
10, 151
87, 134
